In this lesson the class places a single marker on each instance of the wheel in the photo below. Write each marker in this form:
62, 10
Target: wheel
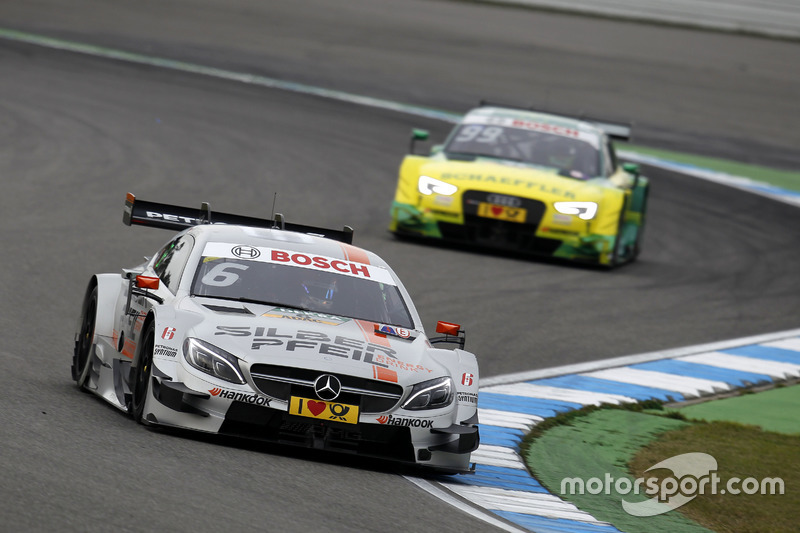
141, 375
81, 363
637, 247
617, 252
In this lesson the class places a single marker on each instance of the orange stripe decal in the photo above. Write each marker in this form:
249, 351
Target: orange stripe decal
354, 254
129, 349
384, 374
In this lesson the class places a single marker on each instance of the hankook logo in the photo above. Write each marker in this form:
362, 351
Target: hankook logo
327, 387
245, 252
508, 201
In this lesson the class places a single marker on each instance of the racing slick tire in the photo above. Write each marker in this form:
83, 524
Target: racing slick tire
637, 246
140, 388
81, 358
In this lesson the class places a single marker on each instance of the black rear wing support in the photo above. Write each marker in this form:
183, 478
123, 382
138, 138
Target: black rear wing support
177, 218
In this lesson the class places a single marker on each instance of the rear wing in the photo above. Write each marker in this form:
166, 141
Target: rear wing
176, 218
616, 130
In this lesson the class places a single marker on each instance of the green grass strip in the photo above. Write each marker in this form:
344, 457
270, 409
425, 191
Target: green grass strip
598, 445
779, 178
773, 410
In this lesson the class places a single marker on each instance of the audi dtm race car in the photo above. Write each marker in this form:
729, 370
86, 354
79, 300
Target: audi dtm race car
276, 331
525, 181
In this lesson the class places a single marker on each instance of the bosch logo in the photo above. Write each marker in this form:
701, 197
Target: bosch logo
245, 252
500, 199
327, 387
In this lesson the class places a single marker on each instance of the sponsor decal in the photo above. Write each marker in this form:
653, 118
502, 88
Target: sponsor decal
528, 184
168, 333
385, 329
164, 351
243, 397
532, 125
172, 218
444, 201
305, 316
245, 252
467, 379
320, 409
338, 346
391, 420
400, 365
300, 260
467, 397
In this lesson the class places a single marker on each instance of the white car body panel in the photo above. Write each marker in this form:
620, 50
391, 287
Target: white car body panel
271, 340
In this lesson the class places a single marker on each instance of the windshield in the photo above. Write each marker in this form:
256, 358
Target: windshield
310, 288
571, 156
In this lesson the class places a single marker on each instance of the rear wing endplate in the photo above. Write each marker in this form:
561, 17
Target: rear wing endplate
177, 218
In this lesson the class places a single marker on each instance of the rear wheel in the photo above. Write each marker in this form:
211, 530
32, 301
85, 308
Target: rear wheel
141, 375
81, 360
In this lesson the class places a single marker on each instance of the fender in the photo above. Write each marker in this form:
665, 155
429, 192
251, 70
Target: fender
109, 287
463, 368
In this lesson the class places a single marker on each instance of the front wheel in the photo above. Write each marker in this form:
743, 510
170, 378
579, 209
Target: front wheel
141, 375
81, 357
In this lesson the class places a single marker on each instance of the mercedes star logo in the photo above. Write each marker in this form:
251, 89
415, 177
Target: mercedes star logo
327, 387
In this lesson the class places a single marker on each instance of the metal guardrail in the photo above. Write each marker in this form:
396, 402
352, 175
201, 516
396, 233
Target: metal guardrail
772, 18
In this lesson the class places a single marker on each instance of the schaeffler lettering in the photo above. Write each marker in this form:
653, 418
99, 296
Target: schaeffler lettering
391, 420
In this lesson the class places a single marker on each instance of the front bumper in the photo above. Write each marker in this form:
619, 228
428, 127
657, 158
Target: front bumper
447, 448
529, 238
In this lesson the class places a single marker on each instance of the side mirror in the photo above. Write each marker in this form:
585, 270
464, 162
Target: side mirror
139, 285
417, 135
632, 168
147, 282
436, 148
452, 334
447, 328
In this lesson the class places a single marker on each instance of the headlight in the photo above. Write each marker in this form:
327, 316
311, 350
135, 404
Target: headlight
428, 185
430, 394
584, 210
212, 360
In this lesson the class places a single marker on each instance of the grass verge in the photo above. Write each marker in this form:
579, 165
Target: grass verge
622, 442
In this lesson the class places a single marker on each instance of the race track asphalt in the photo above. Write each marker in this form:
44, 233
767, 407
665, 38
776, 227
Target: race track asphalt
78, 133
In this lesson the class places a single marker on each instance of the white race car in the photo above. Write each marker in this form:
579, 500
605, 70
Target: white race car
275, 331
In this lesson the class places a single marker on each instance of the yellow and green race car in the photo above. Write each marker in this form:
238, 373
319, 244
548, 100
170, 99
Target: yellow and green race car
527, 181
